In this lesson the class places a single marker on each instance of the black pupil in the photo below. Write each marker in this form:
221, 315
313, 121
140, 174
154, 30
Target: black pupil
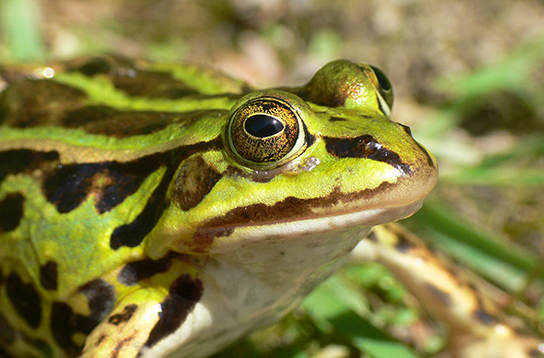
261, 125
382, 79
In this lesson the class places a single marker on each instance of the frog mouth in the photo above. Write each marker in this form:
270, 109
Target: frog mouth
227, 238
352, 226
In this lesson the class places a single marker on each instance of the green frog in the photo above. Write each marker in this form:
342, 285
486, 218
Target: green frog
151, 210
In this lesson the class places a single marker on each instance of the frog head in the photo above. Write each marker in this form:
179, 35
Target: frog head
297, 161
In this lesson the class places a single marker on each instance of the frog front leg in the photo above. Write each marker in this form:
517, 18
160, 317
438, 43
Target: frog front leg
475, 330
142, 318
125, 331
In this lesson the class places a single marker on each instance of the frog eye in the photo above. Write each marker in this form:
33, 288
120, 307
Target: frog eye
384, 88
266, 132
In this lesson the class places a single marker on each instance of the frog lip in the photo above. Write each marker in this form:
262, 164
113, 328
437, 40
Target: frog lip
332, 227
326, 223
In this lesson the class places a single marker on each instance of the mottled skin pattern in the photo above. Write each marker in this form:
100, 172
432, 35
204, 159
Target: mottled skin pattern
138, 218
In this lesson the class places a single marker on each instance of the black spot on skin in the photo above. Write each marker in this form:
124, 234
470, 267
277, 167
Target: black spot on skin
194, 181
24, 160
25, 299
337, 119
110, 182
484, 317
134, 272
124, 316
101, 297
184, 293
68, 187
7, 333
365, 147
64, 322
11, 211
132, 234
1, 277
442, 296
49, 275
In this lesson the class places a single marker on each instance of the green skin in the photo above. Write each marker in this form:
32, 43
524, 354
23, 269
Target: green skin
141, 199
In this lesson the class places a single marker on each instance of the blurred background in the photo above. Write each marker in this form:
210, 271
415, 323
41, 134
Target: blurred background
468, 78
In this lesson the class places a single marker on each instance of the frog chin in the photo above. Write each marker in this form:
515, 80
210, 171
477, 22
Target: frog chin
258, 273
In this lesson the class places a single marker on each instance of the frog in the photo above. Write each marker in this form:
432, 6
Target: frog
166, 210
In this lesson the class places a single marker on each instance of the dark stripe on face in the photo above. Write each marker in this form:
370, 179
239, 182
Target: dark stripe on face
11, 211
110, 183
132, 234
184, 293
134, 272
7, 333
194, 181
64, 322
49, 275
124, 316
25, 161
25, 299
288, 209
365, 147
